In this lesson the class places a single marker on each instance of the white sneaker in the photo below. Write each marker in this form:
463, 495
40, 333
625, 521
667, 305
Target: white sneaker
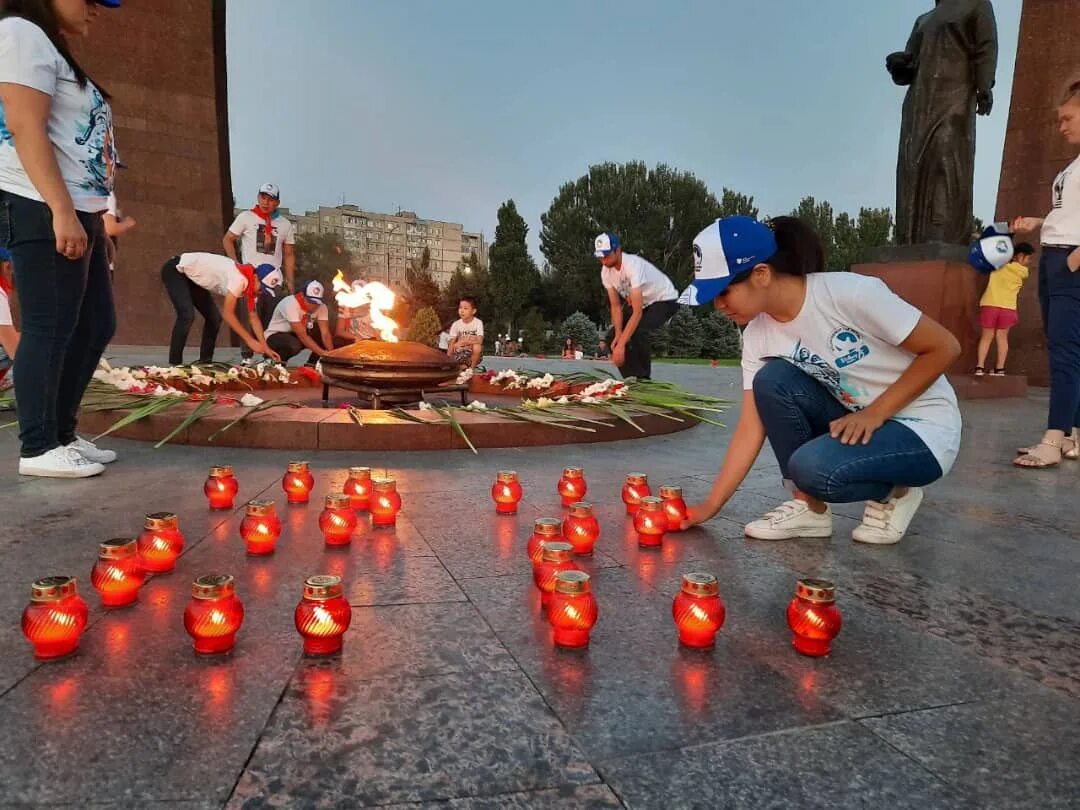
246, 362
60, 462
91, 452
886, 523
791, 519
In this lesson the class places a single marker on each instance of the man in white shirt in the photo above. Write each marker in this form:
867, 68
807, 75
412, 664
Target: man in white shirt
300, 321
638, 285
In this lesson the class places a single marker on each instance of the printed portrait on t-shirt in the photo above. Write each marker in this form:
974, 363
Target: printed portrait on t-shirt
266, 243
1059, 187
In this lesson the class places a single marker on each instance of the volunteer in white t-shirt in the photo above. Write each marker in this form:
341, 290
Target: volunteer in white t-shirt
9, 335
842, 376
633, 282
189, 280
57, 162
1059, 296
299, 321
116, 226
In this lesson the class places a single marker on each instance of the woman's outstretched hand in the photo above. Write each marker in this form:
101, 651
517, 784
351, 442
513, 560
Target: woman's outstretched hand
697, 513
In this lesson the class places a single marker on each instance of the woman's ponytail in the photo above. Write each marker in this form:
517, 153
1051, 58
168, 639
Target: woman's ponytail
799, 250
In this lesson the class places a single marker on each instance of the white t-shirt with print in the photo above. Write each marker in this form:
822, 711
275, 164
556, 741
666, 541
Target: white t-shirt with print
474, 328
212, 272
288, 311
1062, 224
5, 310
847, 336
251, 228
80, 124
638, 272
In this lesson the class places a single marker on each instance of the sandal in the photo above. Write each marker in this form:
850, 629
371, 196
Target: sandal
1035, 462
980, 371
997, 372
1072, 454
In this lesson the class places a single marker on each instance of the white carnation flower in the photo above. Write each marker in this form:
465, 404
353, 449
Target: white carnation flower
250, 400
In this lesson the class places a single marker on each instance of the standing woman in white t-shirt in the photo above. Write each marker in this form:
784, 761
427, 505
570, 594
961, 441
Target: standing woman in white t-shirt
842, 376
1059, 297
57, 162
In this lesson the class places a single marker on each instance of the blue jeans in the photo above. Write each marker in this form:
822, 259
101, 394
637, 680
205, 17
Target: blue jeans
68, 319
1059, 297
796, 411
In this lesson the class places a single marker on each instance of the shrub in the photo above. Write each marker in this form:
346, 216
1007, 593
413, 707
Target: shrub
687, 334
723, 340
581, 330
425, 327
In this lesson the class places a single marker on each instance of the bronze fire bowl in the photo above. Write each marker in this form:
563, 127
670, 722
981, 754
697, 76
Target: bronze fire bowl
381, 364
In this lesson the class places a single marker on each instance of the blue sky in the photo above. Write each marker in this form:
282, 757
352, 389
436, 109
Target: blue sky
449, 108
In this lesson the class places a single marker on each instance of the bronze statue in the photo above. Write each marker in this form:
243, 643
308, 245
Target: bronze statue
948, 67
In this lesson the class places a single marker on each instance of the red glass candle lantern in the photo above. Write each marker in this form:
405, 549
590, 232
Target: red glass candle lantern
118, 574
581, 528
260, 528
572, 486
813, 617
674, 507
55, 618
337, 520
358, 488
650, 522
221, 487
698, 612
545, 530
297, 482
385, 502
572, 609
635, 488
214, 614
506, 492
323, 615
557, 556
160, 543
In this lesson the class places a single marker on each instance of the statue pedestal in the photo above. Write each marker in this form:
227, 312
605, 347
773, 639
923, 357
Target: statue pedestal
937, 279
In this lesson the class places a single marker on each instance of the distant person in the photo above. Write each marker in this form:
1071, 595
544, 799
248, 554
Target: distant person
9, 335
58, 160
190, 279
602, 351
466, 344
299, 321
648, 296
115, 227
997, 308
498, 347
568, 349
266, 237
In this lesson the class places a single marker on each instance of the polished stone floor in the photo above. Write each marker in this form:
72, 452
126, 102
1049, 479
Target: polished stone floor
955, 681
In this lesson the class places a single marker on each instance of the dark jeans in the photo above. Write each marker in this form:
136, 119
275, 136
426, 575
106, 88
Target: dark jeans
186, 297
638, 359
264, 309
1059, 297
288, 345
796, 411
68, 319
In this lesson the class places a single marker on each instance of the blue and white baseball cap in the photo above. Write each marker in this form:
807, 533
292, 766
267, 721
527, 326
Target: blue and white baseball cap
108, 3
606, 244
994, 249
313, 292
728, 248
270, 276
270, 190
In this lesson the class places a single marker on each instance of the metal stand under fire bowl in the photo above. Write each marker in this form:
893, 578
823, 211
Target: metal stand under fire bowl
377, 396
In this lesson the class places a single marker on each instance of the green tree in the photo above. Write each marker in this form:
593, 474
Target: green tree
534, 331
470, 280
656, 213
425, 327
732, 204
847, 240
661, 341
722, 339
320, 256
420, 287
687, 333
581, 330
514, 277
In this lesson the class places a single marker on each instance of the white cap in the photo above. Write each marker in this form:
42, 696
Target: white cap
270, 190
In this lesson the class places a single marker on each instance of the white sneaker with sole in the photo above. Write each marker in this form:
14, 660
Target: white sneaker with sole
91, 452
791, 519
886, 523
60, 462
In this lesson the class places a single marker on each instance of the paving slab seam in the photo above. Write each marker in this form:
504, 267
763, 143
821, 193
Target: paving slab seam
877, 715
262, 731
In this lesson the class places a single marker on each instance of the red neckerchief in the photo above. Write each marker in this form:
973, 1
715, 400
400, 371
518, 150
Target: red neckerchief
251, 291
7, 286
268, 234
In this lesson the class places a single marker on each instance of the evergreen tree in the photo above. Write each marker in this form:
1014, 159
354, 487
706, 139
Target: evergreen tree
534, 331
687, 334
469, 280
514, 277
425, 327
722, 338
582, 331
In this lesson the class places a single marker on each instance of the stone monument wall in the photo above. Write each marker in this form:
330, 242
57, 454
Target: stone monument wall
164, 64
1034, 150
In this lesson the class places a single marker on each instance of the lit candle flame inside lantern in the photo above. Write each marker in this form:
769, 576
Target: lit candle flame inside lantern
323, 615
698, 612
557, 556
674, 507
813, 617
650, 522
337, 520
55, 619
297, 482
506, 492
221, 488
572, 610
260, 528
160, 543
378, 296
385, 502
545, 530
358, 488
117, 575
635, 488
214, 614
572, 486
581, 528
